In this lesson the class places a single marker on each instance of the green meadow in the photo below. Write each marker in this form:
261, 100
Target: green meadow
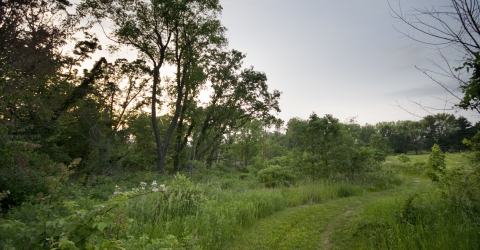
242, 214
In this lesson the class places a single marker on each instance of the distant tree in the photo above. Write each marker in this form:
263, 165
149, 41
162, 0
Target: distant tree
400, 138
416, 134
366, 132
296, 133
465, 130
379, 144
323, 142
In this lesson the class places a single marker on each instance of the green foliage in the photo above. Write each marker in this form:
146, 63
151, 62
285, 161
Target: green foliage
276, 176
383, 178
28, 173
379, 143
417, 221
403, 158
470, 88
460, 185
66, 225
436, 161
363, 160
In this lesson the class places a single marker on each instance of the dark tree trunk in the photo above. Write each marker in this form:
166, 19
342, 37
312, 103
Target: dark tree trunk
160, 155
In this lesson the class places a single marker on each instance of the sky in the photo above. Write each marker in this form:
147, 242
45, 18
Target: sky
342, 57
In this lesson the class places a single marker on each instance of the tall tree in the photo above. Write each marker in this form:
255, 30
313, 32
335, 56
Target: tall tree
161, 31
238, 96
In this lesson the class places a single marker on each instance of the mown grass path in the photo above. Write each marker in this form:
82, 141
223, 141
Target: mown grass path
312, 226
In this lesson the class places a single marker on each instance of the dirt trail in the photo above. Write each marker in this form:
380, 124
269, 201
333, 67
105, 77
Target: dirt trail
310, 226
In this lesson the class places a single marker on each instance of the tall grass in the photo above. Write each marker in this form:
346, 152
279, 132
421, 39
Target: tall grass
422, 221
209, 219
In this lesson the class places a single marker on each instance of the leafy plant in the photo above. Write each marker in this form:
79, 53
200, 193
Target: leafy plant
436, 161
66, 225
403, 158
275, 176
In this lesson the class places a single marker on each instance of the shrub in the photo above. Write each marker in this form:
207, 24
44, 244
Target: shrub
275, 176
24, 172
436, 161
66, 225
403, 158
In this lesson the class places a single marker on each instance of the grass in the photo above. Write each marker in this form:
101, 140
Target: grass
313, 226
411, 216
236, 213
217, 218
452, 160
411, 222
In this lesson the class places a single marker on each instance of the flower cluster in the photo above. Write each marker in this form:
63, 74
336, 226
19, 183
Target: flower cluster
155, 188
117, 190
99, 207
143, 186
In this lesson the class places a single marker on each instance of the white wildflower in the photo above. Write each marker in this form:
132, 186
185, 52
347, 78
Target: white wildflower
154, 189
117, 190
99, 207
143, 185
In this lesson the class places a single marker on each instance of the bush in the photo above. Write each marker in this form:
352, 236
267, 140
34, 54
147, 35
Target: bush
403, 158
275, 176
436, 161
66, 225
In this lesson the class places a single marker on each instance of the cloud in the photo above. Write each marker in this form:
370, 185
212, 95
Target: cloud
406, 56
423, 91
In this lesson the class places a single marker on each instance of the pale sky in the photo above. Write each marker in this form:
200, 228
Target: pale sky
342, 57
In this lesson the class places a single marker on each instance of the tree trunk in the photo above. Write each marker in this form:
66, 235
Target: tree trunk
160, 155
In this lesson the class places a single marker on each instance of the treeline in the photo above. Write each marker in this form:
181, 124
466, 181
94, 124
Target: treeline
324, 147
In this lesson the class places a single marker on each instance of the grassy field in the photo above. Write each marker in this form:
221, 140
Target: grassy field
410, 216
230, 212
452, 160
318, 226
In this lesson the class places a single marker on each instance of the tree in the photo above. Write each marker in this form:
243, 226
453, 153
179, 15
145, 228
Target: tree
465, 130
416, 134
32, 34
38, 85
238, 96
323, 142
379, 144
164, 31
436, 161
366, 132
245, 143
296, 133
